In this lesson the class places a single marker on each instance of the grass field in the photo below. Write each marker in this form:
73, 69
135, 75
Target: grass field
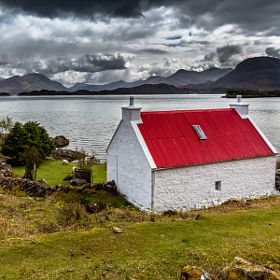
38, 240
54, 172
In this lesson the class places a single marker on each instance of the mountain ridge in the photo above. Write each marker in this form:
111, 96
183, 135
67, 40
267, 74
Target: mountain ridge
29, 82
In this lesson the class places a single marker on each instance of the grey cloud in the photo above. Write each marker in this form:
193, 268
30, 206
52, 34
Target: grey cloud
175, 37
247, 15
227, 52
210, 56
274, 52
51, 8
152, 51
87, 63
251, 16
224, 55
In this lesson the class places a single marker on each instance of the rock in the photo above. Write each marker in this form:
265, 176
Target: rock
5, 170
60, 141
65, 162
193, 273
117, 230
241, 269
78, 182
66, 154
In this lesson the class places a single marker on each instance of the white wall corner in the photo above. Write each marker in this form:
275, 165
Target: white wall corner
273, 149
142, 142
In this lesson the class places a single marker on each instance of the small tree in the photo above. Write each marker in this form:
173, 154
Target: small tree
24, 139
31, 159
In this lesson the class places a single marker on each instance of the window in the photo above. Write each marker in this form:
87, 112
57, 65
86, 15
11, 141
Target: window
218, 185
199, 132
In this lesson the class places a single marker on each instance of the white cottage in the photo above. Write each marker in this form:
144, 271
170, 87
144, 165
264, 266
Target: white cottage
183, 159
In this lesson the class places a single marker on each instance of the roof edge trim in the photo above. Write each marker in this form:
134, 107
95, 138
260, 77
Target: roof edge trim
113, 137
263, 136
142, 142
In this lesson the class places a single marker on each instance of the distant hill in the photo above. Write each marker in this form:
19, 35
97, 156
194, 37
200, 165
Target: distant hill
4, 94
28, 83
183, 78
254, 73
115, 85
142, 89
259, 73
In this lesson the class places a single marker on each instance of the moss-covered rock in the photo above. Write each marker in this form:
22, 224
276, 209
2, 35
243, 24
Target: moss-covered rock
191, 273
241, 269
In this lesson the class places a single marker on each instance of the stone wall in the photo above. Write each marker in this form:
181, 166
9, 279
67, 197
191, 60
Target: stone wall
39, 189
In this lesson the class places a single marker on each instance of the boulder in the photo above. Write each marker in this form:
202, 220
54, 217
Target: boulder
66, 154
117, 230
60, 141
5, 170
243, 270
193, 273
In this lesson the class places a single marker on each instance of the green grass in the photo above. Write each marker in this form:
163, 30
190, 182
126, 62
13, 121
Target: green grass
54, 172
145, 250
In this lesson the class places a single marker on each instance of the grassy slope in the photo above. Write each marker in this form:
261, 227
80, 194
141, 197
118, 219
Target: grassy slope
145, 250
54, 172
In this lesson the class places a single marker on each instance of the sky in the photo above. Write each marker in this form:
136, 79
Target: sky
103, 41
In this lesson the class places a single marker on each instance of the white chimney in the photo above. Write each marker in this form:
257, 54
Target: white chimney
131, 113
241, 108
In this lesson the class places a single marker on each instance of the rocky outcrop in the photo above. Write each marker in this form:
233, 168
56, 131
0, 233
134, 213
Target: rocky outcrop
239, 269
5, 170
60, 141
243, 270
30, 187
70, 155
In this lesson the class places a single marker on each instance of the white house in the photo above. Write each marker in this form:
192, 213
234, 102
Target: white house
185, 159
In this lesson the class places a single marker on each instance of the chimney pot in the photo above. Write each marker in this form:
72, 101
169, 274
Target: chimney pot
131, 101
239, 98
241, 108
131, 112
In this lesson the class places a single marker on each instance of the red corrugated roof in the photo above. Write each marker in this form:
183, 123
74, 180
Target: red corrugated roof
173, 142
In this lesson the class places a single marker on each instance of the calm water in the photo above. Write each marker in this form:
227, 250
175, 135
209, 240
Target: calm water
89, 122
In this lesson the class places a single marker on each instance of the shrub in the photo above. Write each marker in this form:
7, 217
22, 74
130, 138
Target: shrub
24, 138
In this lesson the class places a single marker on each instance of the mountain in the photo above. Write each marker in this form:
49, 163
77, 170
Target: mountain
28, 83
184, 77
181, 78
254, 73
115, 85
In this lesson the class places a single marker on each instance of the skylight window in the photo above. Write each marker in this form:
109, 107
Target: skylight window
199, 132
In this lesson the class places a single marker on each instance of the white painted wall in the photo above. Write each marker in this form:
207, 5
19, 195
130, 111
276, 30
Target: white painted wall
128, 166
194, 187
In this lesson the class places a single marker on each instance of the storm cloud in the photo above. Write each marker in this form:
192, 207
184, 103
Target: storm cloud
100, 41
227, 52
51, 8
257, 15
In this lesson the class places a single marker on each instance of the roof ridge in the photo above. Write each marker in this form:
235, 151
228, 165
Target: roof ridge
186, 110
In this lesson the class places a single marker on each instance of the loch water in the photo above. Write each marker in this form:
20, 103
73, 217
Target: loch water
90, 121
